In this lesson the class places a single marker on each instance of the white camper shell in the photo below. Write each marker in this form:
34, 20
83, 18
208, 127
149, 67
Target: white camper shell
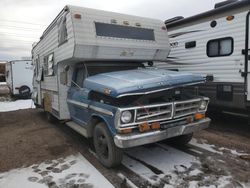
84, 35
216, 45
19, 75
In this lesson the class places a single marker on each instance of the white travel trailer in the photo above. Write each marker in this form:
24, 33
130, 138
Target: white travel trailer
81, 34
215, 44
19, 75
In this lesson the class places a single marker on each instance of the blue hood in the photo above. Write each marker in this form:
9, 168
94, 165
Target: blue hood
121, 83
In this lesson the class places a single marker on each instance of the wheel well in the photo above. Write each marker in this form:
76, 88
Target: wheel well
93, 122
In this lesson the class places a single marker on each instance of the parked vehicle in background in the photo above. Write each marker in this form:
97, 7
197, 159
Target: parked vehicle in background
2, 71
94, 70
216, 45
19, 74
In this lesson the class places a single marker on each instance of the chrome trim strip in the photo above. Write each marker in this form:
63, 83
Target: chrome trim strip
81, 104
85, 105
164, 89
101, 110
147, 106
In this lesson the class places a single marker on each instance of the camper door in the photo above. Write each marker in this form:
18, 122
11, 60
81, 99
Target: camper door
247, 54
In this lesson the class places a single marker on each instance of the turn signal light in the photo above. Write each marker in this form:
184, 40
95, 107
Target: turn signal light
155, 125
198, 116
144, 127
125, 131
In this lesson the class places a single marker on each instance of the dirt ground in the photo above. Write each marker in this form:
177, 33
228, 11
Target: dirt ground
26, 138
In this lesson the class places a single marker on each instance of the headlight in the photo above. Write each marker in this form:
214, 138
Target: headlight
126, 117
203, 105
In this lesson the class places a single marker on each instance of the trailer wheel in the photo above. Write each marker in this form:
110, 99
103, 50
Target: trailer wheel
180, 140
106, 150
24, 91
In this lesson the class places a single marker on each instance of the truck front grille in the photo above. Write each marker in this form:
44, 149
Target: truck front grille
152, 113
184, 108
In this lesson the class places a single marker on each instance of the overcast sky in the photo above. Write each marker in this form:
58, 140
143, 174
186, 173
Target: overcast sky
23, 21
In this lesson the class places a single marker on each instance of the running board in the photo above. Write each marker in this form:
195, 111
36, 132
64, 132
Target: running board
78, 128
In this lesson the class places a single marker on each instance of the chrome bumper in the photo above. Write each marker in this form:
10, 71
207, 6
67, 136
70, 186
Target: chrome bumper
127, 141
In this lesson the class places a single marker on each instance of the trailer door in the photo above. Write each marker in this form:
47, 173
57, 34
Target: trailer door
247, 54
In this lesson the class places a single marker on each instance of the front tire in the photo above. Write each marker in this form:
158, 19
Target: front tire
106, 150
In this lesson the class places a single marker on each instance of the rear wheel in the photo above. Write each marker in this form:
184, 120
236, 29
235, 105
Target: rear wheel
180, 140
106, 150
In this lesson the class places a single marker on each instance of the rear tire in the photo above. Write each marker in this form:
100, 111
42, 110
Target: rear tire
106, 150
180, 140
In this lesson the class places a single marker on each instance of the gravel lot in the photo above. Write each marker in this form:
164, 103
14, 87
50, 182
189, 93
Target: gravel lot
217, 156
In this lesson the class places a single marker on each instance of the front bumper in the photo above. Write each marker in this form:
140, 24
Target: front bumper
127, 141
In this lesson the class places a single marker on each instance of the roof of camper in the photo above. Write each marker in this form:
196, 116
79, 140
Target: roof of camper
213, 12
73, 8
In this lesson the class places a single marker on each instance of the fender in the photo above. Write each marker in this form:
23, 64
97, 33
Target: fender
95, 118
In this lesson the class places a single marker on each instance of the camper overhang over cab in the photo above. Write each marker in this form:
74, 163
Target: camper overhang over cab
94, 70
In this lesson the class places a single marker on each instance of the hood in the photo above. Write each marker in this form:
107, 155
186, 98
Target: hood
139, 81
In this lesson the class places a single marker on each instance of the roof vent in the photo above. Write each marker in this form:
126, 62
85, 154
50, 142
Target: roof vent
224, 3
177, 18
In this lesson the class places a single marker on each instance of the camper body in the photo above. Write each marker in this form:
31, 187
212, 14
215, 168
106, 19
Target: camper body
92, 72
19, 74
216, 45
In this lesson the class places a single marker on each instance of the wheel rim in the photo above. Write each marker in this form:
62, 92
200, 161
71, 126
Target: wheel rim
102, 145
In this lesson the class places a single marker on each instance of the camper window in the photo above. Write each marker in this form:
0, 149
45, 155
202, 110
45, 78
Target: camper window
49, 65
124, 32
220, 47
62, 30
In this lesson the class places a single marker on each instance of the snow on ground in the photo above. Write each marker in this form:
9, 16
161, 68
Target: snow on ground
16, 105
232, 151
73, 171
158, 164
204, 146
164, 166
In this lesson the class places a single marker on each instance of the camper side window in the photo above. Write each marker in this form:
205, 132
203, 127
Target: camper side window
220, 47
49, 65
62, 30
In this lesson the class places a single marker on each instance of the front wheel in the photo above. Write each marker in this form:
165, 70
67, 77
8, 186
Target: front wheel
106, 150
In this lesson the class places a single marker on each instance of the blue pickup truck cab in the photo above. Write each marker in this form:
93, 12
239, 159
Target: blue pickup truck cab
123, 105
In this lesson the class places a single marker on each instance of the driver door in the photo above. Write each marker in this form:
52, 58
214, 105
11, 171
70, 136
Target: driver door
77, 97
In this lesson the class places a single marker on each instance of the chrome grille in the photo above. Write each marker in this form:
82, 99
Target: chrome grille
186, 107
152, 113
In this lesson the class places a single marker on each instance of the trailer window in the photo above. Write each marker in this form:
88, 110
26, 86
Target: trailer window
62, 30
49, 65
220, 47
126, 32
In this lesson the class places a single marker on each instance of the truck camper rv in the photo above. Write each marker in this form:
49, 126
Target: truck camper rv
216, 45
94, 71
